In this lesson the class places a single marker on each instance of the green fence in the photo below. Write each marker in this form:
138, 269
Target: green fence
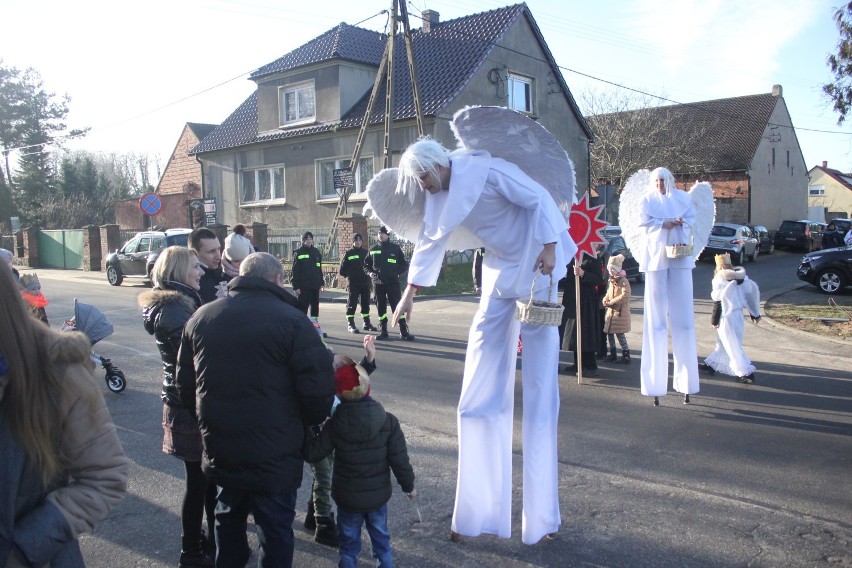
60, 249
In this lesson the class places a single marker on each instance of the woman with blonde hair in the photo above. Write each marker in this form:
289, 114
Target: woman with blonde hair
62, 468
176, 277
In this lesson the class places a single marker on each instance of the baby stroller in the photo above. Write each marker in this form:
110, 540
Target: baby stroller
96, 326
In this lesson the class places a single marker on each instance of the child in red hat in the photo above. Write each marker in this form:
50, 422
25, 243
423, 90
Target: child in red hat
368, 445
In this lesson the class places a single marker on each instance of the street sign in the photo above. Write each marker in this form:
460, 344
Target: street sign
202, 212
150, 204
342, 179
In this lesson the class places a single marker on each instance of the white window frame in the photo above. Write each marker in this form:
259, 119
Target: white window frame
336, 164
816, 190
297, 89
276, 193
514, 83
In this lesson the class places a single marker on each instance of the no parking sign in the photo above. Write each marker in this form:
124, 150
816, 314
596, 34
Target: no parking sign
150, 204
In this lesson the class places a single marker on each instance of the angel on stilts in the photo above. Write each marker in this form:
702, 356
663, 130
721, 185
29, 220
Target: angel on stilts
667, 228
509, 188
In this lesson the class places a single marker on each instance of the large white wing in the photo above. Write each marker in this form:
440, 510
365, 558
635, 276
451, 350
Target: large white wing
701, 195
401, 213
516, 138
630, 211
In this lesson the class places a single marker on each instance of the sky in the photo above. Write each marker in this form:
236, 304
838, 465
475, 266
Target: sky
137, 72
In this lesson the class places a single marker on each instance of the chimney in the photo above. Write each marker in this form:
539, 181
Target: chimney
431, 19
777, 91
824, 164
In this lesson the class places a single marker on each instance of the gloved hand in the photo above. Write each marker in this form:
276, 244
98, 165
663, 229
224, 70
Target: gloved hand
755, 319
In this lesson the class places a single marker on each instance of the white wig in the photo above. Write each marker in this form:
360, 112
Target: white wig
423, 156
666, 176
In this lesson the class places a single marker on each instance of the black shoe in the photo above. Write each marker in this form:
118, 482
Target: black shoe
747, 380
656, 401
569, 369
625, 357
590, 372
352, 328
704, 367
310, 520
195, 558
208, 545
368, 326
326, 532
686, 399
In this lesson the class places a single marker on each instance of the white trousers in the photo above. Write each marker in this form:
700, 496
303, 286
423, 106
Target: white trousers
485, 419
669, 306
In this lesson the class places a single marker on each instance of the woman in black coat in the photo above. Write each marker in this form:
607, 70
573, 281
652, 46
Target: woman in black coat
166, 308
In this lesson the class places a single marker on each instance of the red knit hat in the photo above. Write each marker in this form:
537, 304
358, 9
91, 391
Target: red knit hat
353, 383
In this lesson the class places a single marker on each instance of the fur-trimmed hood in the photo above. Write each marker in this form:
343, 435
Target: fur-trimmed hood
735, 273
158, 298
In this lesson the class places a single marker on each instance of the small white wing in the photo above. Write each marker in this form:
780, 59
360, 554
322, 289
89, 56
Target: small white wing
630, 211
402, 213
516, 138
701, 195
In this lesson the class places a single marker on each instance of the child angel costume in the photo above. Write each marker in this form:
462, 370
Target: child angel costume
736, 291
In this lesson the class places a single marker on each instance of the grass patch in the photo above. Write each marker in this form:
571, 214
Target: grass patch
799, 316
454, 279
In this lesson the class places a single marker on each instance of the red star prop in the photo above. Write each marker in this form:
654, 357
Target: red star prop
585, 226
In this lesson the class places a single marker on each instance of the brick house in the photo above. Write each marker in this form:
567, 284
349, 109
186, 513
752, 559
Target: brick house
745, 146
180, 182
271, 160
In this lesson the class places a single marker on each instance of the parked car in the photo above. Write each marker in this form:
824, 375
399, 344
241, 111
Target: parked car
829, 270
802, 235
765, 242
734, 239
616, 245
137, 257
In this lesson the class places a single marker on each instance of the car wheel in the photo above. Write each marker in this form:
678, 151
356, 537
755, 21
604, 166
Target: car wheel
114, 277
756, 252
830, 281
737, 258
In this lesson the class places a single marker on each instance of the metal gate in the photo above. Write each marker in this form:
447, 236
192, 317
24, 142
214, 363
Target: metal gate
60, 249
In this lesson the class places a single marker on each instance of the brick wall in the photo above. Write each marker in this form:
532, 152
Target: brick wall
182, 169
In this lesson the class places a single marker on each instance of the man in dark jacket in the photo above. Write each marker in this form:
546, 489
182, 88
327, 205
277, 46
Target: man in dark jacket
385, 264
256, 372
307, 275
206, 245
359, 285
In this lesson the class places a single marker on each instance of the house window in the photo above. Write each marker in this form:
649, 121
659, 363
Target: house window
262, 184
297, 104
816, 190
520, 93
325, 181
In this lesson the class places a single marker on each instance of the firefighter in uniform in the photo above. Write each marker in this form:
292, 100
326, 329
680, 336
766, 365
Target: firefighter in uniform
359, 284
307, 275
385, 264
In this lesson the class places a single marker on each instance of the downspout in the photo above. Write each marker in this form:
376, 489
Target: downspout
749, 198
202, 175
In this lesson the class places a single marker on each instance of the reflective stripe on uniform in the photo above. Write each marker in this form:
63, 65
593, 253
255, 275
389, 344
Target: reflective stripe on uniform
375, 252
354, 257
303, 256
391, 261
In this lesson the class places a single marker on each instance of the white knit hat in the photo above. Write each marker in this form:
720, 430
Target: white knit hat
237, 247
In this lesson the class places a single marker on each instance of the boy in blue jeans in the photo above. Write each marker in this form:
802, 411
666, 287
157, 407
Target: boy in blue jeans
368, 444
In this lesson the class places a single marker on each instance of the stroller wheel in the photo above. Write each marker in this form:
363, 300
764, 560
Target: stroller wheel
115, 380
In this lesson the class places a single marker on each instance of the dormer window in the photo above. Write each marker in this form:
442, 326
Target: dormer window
297, 104
520, 93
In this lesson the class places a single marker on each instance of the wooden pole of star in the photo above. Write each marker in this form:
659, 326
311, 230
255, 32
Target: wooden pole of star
579, 320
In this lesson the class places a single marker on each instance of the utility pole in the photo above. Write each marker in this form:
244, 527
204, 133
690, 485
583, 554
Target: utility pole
399, 11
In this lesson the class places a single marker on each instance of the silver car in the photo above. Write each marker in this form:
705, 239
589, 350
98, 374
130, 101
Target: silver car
737, 240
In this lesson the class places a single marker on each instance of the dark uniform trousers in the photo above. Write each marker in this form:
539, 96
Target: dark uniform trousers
387, 294
358, 292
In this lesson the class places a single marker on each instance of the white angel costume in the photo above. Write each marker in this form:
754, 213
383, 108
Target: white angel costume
497, 204
736, 291
668, 281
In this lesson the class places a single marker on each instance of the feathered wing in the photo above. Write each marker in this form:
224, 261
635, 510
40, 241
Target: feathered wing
401, 213
630, 211
701, 195
516, 138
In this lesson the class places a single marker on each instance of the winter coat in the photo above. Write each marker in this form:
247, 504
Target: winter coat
617, 304
832, 239
368, 444
589, 306
213, 284
387, 262
307, 269
352, 267
43, 523
255, 370
164, 313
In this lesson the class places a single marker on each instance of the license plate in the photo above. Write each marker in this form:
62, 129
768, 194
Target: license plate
789, 238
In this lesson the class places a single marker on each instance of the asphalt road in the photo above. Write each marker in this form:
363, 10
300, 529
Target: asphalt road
756, 475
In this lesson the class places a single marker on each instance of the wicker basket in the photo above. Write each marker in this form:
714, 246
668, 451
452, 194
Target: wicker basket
679, 251
539, 312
